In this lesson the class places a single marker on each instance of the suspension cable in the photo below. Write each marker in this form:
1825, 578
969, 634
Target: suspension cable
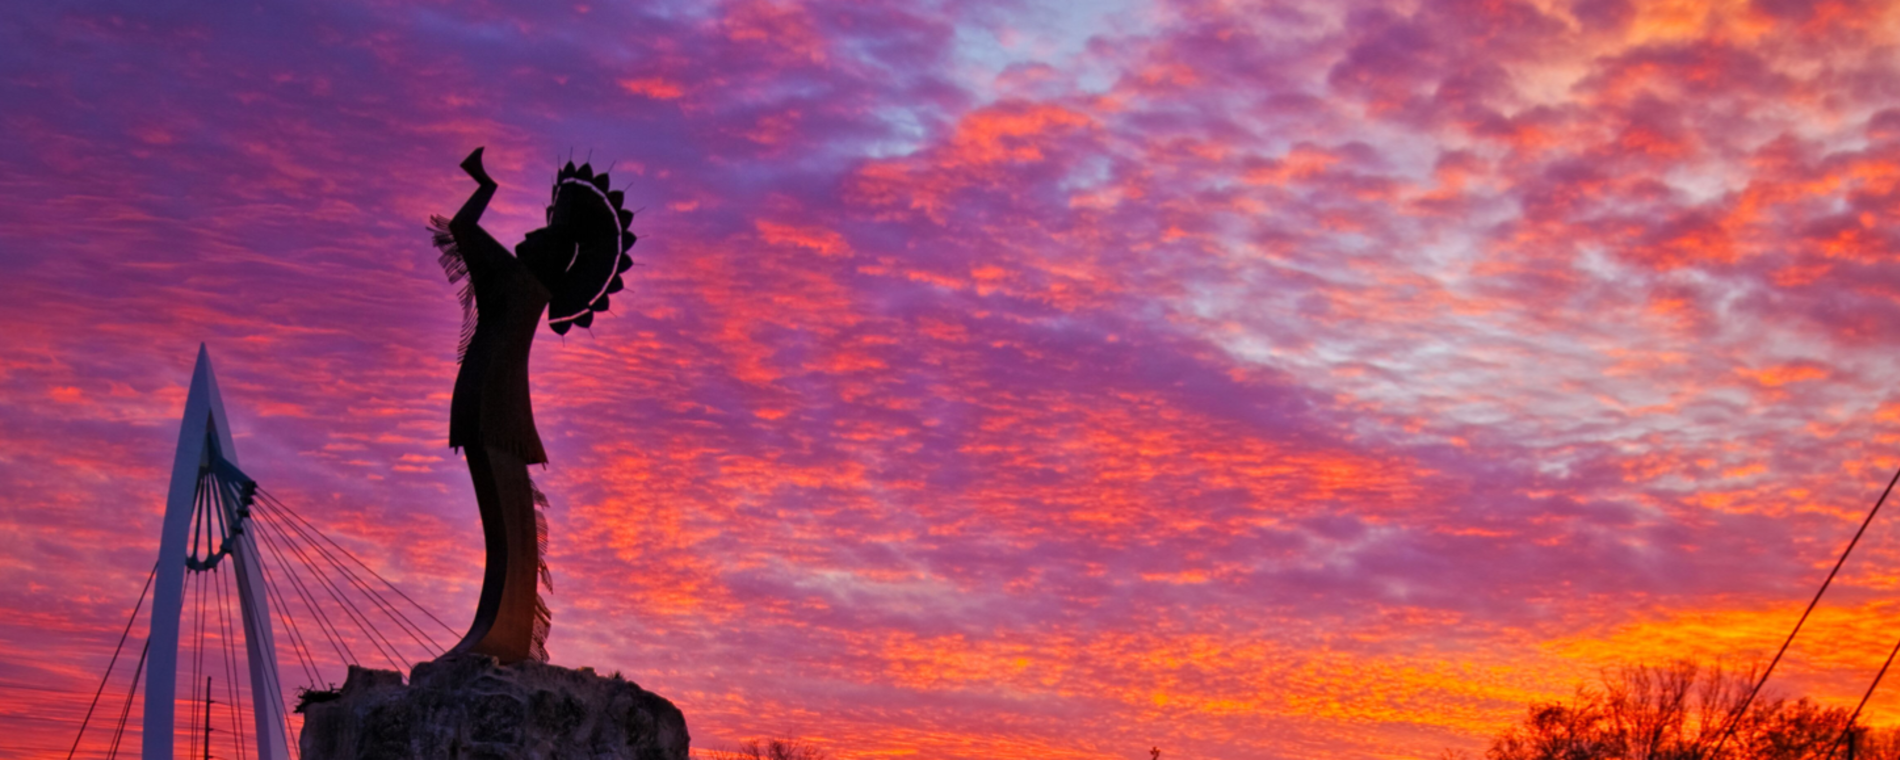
278, 505
211, 525
197, 655
226, 639
389, 610
349, 608
265, 688
274, 686
291, 630
362, 619
336, 594
197, 508
118, 734
293, 532
324, 624
115, 660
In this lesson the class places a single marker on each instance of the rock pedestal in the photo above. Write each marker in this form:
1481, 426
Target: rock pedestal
466, 707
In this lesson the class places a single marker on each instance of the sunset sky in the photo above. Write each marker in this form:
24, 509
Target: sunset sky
999, 379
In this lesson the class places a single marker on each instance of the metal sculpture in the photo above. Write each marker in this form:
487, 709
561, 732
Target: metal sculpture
567, 268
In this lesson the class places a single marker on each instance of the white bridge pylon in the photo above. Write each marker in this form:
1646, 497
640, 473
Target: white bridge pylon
204, 442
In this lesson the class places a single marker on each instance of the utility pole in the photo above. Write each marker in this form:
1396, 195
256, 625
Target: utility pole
208, 703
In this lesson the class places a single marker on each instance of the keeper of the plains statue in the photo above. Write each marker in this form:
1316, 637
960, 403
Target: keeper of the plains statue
568, 269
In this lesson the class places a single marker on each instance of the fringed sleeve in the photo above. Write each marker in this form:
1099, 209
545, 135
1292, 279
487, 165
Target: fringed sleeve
456, 268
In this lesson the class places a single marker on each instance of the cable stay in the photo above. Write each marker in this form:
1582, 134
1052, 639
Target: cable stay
239, 570
136, 606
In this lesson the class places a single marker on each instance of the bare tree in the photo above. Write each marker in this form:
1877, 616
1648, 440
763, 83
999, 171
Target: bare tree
771, 749
1682, 711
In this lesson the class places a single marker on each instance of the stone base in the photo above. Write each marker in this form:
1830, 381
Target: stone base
468, 707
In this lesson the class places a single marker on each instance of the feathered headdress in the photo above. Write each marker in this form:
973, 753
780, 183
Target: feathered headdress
599, 231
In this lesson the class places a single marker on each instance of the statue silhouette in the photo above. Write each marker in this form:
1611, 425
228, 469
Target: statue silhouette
567, 268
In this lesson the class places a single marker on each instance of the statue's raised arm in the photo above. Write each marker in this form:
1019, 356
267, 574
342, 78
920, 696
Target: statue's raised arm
566, 268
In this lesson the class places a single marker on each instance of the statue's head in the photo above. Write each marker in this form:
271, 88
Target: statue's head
580, 255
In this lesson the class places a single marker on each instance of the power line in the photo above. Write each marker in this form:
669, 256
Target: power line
1863, 701
1734, 720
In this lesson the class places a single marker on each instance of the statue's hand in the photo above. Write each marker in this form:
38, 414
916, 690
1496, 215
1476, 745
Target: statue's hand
473, 165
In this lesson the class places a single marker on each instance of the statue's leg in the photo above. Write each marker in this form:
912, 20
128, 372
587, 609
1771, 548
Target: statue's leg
505, 616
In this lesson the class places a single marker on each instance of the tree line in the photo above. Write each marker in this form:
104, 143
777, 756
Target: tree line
1685, 710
